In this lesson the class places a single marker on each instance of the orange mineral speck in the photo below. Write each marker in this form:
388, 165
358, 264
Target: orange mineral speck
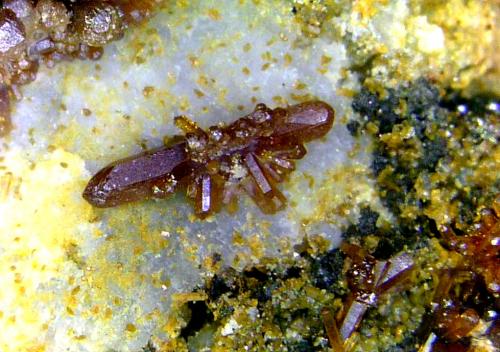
130, 328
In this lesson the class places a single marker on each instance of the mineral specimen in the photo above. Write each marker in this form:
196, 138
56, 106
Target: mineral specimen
253, 153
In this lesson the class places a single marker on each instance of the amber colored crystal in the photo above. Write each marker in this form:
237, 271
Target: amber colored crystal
368, 278
5, 123
480, 247
252, 155
455, 324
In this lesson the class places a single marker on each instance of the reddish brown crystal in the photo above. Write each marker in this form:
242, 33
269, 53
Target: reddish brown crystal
451, 320
98, 23
5, 124
332, 330
135, 11
454, 324
49, 31
54, 16
22, 8
463, 292
12, 34
252, 154
480, 247
368, 278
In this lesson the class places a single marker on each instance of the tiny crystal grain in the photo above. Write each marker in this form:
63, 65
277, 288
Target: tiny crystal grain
252, 154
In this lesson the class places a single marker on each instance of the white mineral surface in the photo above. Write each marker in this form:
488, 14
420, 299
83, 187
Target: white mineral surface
75, 278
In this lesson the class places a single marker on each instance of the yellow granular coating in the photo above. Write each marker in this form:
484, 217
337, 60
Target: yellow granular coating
367, 8
449, 41
328, 201
40, 220
469, 30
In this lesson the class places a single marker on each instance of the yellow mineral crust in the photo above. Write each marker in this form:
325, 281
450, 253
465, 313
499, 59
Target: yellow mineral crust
332, 201
56, 274
450, 41
42, 216
470, 31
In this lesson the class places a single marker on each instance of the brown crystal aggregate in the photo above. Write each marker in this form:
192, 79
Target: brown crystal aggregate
368, 279
481, 247
252, 154
464, 305
457, 314
50, 31
98, 23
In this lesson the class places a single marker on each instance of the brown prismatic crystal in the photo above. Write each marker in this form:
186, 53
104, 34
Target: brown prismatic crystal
5, 123
252, 154
368, 279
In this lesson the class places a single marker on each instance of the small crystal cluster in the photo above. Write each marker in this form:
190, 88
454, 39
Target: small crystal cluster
49, 31
252, 154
